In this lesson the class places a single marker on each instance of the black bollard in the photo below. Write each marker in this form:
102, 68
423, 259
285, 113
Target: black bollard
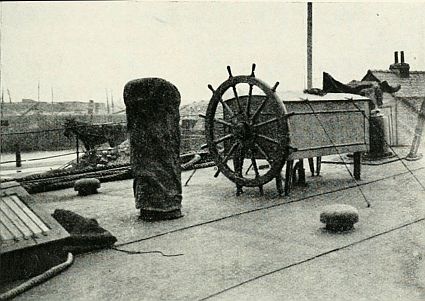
152, 106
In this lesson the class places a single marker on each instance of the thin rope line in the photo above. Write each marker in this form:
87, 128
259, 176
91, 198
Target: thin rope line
38, 159
312, 258
339, 154
260, 209
145, 252
363, 163
61, 128
383, 138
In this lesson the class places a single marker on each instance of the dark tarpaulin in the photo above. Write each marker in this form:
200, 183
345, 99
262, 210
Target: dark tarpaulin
86, 234
372, 90
331, 85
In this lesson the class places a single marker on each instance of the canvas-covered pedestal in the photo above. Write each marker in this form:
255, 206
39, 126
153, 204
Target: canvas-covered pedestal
152, 106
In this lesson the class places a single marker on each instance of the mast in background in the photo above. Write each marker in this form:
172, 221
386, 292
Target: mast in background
2, 104
309, 45
112, 102
107, 102
10, 98
51, 88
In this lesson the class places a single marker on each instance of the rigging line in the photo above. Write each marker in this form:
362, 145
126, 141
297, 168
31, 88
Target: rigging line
260, 209
254, 210
390, 147
60, 129
363, 163
145, 252
37, 159
315, 257
339, 154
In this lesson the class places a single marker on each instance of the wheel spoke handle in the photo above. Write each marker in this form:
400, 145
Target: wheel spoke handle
229, 70
225, 105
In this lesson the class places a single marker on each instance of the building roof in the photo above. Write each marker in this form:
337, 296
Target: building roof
411, 87
193, 109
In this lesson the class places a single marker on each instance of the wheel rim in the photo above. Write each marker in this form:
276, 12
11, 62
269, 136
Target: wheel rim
250, 129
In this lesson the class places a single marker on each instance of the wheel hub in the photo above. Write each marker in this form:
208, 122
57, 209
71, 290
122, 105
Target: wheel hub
244, 133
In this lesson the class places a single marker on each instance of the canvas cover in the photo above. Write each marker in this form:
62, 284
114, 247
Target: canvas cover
152, 106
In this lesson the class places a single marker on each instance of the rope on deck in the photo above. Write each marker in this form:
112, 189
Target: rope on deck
37, 279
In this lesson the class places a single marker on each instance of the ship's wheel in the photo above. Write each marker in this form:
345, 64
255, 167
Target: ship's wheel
249, 128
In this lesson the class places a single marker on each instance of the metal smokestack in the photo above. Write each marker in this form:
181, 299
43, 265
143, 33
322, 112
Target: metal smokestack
396, 57
402, 56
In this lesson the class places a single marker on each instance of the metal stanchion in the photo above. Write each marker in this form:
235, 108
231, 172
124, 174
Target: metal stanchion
413, 154
77, 145
18, 155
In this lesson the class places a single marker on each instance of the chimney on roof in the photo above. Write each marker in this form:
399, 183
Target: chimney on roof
402, 68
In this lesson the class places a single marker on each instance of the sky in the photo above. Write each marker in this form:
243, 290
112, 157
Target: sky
83, 50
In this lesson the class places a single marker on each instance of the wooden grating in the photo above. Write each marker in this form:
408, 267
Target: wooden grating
23, 223
18, 221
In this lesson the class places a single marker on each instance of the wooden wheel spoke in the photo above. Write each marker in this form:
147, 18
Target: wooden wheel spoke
226, 157
229, 70
266, 122
260, 107
226, 106
268, 138
254, 165
239, 160
257, 174
224, 122
262, 152
230, 152
238, 103
248, 102
224, 138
